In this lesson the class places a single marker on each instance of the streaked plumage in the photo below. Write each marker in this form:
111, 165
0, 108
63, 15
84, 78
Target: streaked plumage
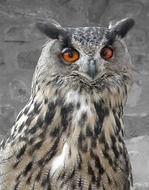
70, 135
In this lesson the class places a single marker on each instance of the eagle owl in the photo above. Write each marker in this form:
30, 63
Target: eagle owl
70, 135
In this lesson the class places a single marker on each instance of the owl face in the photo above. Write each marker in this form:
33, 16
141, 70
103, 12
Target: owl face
98, 49
88, 53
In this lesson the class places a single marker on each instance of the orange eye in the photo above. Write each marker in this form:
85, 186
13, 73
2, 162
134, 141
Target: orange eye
70, 55
106, 53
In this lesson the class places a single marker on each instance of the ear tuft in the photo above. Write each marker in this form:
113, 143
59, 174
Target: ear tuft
122, 27
52, 30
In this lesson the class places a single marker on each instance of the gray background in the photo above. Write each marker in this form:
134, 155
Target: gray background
21, 44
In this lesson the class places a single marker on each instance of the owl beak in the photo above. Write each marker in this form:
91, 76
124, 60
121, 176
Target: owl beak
92, 68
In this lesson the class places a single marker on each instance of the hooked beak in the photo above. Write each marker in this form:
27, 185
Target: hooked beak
92, 68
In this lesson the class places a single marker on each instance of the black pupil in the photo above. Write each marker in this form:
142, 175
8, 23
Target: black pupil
70, 53
103, 52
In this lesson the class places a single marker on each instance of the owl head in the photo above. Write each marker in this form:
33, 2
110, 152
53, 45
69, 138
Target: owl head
96, 56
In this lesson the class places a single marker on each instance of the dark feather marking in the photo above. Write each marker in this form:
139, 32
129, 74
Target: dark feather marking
80, 161
43, 134
37, 178
125, 90
37, 107
102, 138
103, 187
50, 154
49, 186
66, 41
28, 180
98, 180
21, 152
107, 156
29, 120
93, 142
110, 37
16, 164
118, 124
114, 148
36, 146
80, 181
55, 132
28, 168
39, 123
97, 162
21, 127
91, 173
78, 105
65, 111
101, 112
32, 130
127, 185
45, 100
97, 128
82, 119
50, 113
16, 185
32, 114
90, 187
46, 181
62, 175
82, 144
113, 139
109, 180
89, 132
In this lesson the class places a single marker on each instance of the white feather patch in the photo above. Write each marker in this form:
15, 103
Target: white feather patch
59, 161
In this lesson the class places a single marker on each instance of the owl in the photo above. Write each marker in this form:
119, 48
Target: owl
70, 135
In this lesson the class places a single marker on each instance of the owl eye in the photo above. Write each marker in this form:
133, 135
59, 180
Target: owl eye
106, 53
70, 55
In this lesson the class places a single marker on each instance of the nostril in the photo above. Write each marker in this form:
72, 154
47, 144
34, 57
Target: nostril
92, 62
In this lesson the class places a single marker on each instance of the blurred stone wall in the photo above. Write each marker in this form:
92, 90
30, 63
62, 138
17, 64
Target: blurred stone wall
21, 43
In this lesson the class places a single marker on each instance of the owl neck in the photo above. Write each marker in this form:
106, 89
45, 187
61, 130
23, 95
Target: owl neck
73, 116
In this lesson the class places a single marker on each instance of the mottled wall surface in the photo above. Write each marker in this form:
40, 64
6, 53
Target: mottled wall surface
21, 43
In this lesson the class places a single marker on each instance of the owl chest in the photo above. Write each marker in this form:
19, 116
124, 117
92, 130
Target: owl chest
87, 169
87, 158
